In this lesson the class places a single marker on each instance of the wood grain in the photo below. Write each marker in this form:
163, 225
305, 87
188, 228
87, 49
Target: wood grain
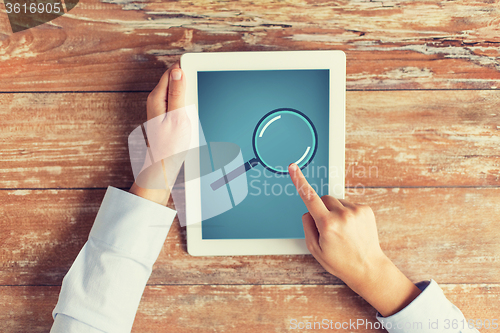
448, 234
243, 308
45, 136
115, 45
426, 161
393, 138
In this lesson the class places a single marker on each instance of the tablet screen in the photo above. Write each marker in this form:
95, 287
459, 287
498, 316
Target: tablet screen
231, 104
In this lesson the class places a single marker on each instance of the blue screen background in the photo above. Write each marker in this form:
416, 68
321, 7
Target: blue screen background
230, 105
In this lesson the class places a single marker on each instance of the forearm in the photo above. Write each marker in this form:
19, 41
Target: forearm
384, 286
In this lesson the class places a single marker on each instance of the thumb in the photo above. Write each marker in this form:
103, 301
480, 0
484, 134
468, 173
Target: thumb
311, 233
157, 99
176, 90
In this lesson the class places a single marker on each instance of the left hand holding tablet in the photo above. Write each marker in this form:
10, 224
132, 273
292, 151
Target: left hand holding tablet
168, 133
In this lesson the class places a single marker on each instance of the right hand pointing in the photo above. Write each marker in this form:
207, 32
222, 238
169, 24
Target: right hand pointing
343, 237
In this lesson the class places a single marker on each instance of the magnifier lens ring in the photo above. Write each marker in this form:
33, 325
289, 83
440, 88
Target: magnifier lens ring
271, 117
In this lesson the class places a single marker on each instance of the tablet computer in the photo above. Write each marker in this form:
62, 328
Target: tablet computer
276, 108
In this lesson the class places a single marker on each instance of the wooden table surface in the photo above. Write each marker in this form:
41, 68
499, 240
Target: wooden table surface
422, 148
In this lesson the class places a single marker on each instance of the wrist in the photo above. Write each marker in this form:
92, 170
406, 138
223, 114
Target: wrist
159, 196
384, 286
369, 274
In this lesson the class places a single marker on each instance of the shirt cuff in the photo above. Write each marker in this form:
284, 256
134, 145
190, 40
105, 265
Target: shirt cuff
430, 311
104, 285
135, 226
65, 324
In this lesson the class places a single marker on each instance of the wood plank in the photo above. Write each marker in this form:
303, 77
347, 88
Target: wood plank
121, 45
271, 308
424, 138
243, 308
393, 138
448, 234
45, 136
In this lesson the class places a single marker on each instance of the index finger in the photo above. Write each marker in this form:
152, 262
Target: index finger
313, 202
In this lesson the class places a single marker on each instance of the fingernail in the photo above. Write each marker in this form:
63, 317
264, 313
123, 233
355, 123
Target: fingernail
176, 74
293, 166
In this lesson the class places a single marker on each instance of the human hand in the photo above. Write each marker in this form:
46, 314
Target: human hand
343, 238
168, 133
341, 235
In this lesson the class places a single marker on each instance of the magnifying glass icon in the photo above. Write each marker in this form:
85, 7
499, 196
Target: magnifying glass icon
281, 137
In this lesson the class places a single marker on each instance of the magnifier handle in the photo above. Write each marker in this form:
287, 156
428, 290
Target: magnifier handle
233, 174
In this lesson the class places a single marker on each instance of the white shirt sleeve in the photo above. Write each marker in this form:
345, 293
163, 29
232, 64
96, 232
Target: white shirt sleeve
102, 290
429, 312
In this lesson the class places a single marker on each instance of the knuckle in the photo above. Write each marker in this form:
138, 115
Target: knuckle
175, 92
310, 246
307, 192
323, 218
356, 209
330, 228
151, 96
365, 209
325, 199
346, 215
152, 100
368, 209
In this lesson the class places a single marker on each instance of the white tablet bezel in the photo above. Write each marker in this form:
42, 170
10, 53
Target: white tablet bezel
334, 61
